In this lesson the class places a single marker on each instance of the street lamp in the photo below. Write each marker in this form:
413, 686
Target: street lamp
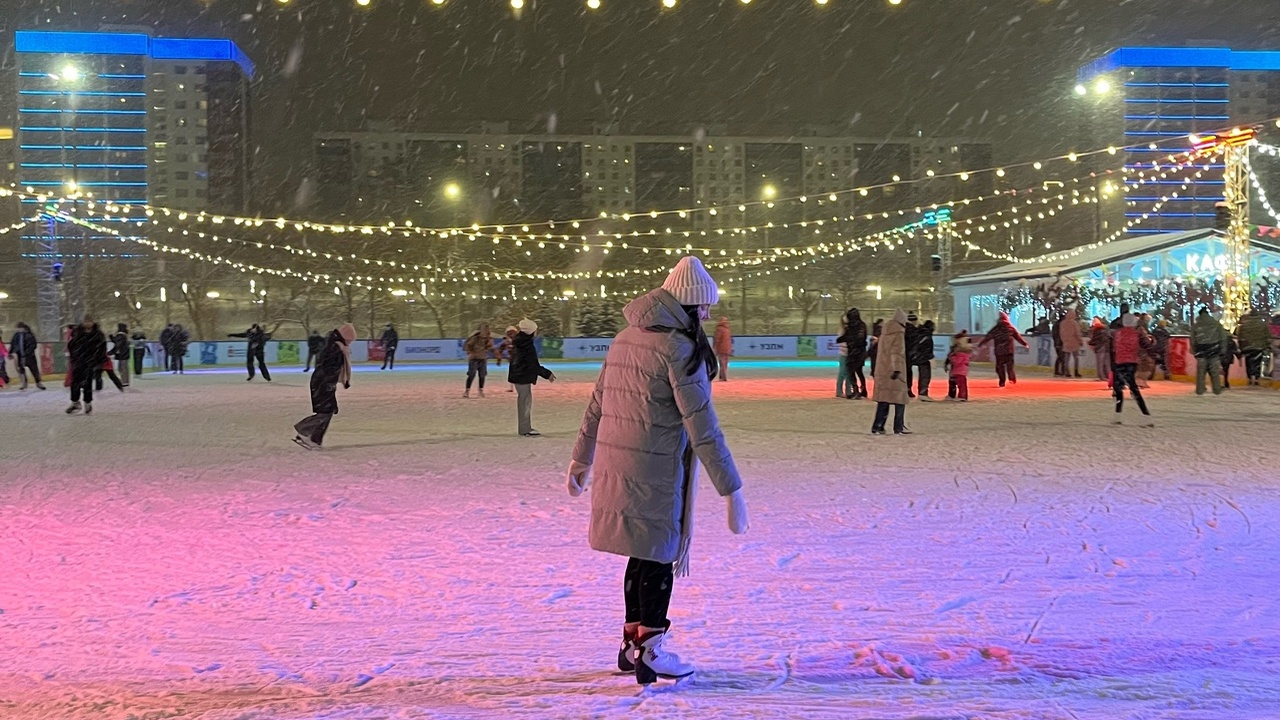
4, 295
769, 192
452, 190
213, 294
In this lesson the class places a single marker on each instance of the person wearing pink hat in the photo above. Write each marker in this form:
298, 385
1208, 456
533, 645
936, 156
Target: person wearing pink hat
333, 367
649, 423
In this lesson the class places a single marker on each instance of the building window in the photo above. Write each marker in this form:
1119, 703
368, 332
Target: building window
181, 175
179, 104
180, 70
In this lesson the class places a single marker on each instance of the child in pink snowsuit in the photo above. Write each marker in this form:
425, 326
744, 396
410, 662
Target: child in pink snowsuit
958, 364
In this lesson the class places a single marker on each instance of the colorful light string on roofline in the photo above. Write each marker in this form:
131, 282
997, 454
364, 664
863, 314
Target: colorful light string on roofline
392, 227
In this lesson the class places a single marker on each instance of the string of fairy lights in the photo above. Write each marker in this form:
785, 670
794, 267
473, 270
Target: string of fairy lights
18, 225
518, 6
391, 227
815, 252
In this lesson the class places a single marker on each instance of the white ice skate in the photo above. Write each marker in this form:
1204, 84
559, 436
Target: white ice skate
466, 395
628, 651
655, 661
482, 394
75, 408
88, 408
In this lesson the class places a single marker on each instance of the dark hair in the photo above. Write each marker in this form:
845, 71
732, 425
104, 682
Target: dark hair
703, 355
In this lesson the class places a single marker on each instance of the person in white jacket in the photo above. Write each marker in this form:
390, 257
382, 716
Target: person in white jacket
649, 422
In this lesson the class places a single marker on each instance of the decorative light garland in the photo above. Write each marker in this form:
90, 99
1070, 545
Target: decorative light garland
392, 227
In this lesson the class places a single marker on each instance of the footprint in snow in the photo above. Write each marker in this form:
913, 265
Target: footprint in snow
558, 595
206, 668
956, 604
786, 560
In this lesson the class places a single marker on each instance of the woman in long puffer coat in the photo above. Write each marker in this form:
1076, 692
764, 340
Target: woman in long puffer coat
891, 376
649, 420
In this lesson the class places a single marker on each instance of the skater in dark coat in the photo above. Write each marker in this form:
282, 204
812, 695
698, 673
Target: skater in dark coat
141, 348
390, 341
25, 352
1160, 351
315, 343
1255, 345
176, 349
523, 372
166, 346
1230, 353
920, 359
256, 349
120, 348
873, 350
87, 353
333, 368
855, 339
1002, 338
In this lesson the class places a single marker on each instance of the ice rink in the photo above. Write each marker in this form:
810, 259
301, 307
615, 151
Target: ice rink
176, 555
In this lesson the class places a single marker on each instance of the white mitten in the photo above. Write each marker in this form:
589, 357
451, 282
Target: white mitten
738, 523
579, 478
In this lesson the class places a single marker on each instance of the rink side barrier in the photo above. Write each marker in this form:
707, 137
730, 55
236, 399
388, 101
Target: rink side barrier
290, 352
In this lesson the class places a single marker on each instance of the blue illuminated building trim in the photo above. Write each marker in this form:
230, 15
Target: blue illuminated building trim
83, 93
96, 183
1172, 57
1181, 101
1177, 117
93, 43
91, 166
78, 129
108, 148
55, 111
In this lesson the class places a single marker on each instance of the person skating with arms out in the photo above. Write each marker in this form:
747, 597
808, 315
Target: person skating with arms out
649, 423
255, 349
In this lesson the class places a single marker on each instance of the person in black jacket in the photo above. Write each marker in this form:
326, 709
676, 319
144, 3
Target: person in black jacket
120, 352
25, 350
87, 351
315, 343
140, 350
166, 346
873, 352
855, 339
256, 349
333, 367
390, 341
523, 372
920, 358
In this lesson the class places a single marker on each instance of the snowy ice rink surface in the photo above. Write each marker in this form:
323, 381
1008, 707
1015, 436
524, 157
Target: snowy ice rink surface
175, 555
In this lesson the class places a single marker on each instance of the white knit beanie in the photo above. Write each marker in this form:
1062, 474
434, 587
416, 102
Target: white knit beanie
691, 284
528, 326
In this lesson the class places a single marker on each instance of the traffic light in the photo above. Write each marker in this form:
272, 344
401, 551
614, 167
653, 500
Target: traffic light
935, 262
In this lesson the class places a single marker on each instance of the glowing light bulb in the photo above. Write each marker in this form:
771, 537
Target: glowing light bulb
363, 3
668, 3
1102, 87
593, 4
517, 4
821, 2
1081, 90
895, 2
1000, 172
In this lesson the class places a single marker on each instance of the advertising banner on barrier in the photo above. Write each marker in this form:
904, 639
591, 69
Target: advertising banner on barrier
1179, 357
377, 353
826, 346
418, 350
586, 348
757, 346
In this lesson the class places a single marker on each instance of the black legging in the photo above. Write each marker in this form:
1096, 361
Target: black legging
1004, 369
923, 371
138, 355
389, 359
82, 382
115, 379
1253, 363
854, 366
647, 588
262, 364
1125, 376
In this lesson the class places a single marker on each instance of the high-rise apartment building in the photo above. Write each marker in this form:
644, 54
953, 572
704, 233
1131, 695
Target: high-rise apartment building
134, 118
498, 175
1140, 96
128, 118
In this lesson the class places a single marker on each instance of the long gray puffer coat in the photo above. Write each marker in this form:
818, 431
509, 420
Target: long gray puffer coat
892, 359
646, 422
